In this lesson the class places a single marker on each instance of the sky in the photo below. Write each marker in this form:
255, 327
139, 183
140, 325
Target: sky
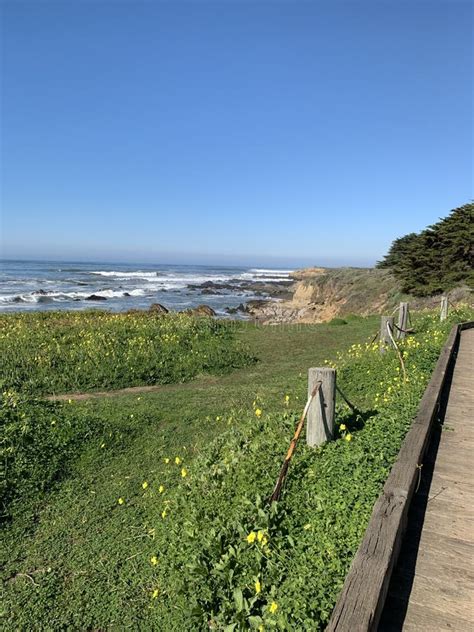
276, 133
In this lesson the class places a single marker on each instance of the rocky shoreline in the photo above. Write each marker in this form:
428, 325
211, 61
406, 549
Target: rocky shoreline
320, 294
311, 295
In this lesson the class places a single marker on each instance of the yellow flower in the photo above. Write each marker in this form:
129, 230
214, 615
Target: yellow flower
153, 560
251, 537
258, 587
102, 445
145, 484
348, 437
342, 427
260, 535
184, 472
163, 514
155, 593
161, 489
273, 607
258, 413
287, 399
121, 501
177, 460
167, 460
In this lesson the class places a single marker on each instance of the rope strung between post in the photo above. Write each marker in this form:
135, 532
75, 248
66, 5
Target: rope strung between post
400, 357
351, 406
286, 463
404, 331
455, 309
377, 333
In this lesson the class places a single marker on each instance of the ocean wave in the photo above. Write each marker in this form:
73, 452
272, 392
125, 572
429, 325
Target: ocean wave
172, 280
126, 275
48, 297
264, 274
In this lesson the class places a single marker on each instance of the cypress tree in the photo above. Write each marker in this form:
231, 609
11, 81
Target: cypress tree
438, 258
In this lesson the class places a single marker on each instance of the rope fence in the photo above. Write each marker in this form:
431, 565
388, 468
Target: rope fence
321, 420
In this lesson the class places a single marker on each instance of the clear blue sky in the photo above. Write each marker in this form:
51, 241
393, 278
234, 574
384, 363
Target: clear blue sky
255, 132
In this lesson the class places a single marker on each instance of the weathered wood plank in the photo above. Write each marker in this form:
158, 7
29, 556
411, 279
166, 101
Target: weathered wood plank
425, 619
363, 595
435, 568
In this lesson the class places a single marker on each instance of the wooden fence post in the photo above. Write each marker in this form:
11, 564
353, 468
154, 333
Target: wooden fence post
444, 308
402, 321
320, 421
385, 341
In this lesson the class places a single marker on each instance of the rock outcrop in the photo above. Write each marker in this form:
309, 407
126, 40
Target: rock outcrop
201, 310
158, 308
96, 297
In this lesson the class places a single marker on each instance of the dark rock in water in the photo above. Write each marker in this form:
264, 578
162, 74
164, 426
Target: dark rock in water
209, 290
95, 297
235, 310
157, 308
39, 293
127, 294
18, 299
201, 310
272, 288
256, 304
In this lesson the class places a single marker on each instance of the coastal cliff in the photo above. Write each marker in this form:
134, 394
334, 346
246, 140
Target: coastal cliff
321, 294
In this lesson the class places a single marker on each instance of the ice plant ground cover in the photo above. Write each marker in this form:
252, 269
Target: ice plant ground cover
158, 519
54, 352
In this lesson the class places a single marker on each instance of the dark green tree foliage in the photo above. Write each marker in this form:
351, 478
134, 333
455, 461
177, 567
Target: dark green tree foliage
437, 259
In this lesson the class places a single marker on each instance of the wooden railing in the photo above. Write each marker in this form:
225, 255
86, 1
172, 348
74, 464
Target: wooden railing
362, 598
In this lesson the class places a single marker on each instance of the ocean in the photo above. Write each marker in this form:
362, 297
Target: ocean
48, 285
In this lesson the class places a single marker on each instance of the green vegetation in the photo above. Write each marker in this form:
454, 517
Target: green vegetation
153, 518
437, 259
54, 352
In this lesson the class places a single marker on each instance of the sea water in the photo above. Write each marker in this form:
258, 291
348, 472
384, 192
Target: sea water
48, 285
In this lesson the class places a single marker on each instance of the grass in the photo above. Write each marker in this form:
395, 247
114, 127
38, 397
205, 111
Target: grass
75, 528
51, 352
74, 557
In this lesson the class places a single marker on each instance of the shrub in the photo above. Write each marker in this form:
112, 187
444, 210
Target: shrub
337, 321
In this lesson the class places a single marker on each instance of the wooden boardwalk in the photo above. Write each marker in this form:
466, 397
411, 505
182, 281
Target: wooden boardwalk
432, 587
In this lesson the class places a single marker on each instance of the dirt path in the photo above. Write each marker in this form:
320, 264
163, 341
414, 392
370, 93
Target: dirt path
132, 390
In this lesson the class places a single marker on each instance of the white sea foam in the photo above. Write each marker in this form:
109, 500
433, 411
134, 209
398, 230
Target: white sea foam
20, 289
264, 274
126, 275
174, 281
35, 297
